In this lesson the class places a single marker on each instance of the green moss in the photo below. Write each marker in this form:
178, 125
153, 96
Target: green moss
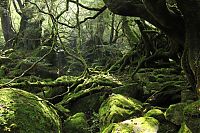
184, 129
192, 116
175, 113
67, 78
193, 109
23, 112
118, 108
137, 125
76, 124
155, 113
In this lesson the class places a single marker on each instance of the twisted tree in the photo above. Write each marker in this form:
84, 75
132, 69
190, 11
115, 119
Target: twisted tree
179, 20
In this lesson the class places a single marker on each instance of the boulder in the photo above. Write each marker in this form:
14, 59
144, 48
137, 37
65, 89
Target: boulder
155, 113
174, 113
137, 125
118, 108
192, 116
164, 126
76, 124
23, 112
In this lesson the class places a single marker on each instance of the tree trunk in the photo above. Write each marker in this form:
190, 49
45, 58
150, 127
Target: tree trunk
30, 30
6, 24
191, 13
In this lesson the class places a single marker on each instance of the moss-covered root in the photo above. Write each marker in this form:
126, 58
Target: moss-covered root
23, 112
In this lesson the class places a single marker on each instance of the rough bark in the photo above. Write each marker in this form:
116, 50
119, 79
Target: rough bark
191, 12
30, 31
6, 24
180, 25
156, 13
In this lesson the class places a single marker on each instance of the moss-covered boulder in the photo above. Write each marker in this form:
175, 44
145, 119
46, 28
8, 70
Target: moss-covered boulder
155, 113
192, 116
134, 90
76, 124
174, 113
118, 108
23, 112
164, 126
137, 125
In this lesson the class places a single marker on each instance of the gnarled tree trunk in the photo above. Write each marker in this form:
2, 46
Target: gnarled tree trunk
6, 24
191, 13
180, 24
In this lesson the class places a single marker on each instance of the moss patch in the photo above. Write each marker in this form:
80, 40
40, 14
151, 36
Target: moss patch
155, 113
137, 125
175, 113
76, 124
192, 116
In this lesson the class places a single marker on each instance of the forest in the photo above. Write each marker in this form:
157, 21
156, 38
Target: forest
105, 66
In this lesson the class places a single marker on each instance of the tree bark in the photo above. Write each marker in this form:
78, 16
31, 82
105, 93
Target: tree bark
191, 13
6, 24
182, 27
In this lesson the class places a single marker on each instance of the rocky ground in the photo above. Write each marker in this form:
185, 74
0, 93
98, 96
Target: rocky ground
155, 100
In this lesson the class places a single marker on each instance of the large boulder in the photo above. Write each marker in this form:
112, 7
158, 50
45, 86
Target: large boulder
23, 112
174, 113
118, 108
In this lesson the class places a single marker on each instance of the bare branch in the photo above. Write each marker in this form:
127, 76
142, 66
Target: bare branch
83, 6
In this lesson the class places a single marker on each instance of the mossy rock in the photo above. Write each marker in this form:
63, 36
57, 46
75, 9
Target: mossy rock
164, 126
86, 104
137, 125
23, 112
168, 95
174, 113
155, 113
192, 116
167, 127
76, 124
118, 108
133, 90
184, 129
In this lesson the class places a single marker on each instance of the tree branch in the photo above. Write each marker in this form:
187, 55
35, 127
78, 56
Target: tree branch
83, 6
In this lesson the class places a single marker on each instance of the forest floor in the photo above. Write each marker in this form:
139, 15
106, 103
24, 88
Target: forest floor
101, 101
